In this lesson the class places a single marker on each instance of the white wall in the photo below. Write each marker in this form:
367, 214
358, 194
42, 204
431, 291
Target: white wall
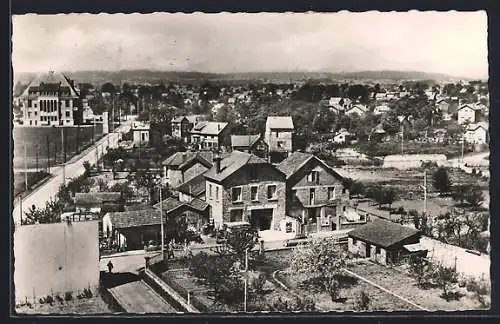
57, 257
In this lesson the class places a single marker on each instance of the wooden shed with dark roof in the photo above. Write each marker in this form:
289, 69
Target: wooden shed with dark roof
385, 242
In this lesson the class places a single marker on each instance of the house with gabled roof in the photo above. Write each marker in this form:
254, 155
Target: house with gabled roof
466, 113
315, 192
279, 136
477, 133
93, 202
183, 166
194, 188
385, 242
357, 109
208, 135
243, 187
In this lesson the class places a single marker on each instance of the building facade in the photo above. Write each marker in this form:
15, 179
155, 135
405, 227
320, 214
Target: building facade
279, 137
466, 113
242, 187
208, 135
315, 193
51, 100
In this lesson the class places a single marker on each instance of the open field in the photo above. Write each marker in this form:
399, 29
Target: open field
85, 306
37, 138
33, 178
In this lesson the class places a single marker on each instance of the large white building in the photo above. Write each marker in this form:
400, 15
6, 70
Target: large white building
51, 100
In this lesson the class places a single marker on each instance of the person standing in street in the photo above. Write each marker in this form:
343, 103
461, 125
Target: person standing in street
110, 266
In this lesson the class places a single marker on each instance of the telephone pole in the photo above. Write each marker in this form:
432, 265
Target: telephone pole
64, 156
25, 169
48, 154
36, 159
463, 140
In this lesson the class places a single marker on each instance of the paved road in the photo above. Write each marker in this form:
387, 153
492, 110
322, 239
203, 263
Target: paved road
476, 159
138, 297
73, 168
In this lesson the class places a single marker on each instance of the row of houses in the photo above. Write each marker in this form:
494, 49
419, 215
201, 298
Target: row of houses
277, 139
300, 194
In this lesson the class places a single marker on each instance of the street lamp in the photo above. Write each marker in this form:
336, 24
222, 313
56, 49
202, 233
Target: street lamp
245, 271
161, 222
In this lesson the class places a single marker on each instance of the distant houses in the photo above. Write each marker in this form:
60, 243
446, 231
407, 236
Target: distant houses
140, 134
466, 113
253, 144
477, 133
183, 166
182, 126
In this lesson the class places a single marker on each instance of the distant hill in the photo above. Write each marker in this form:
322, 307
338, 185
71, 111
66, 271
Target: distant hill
150, 76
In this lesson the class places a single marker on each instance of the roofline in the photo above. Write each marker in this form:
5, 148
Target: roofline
378, 243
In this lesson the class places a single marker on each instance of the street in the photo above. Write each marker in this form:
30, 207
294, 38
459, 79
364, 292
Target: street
73, 169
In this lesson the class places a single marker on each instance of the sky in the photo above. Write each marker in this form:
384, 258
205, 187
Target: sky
454, 43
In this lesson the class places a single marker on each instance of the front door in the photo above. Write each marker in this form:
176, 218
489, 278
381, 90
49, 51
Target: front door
261, 219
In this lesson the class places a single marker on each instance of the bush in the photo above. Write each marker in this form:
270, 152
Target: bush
363, 301
258, 283
68, 296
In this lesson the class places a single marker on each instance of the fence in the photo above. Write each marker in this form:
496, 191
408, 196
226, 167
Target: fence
58, 297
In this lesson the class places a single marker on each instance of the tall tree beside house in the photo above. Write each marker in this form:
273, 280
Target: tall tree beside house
320, 264
441, 180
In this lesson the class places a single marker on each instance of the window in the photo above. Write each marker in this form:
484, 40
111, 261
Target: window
36, 113
236, 194
34, 105
331, 193
313, 177
67, 113
294, 196
271, 192
354, 241
344, 208
344, 190
66, 103
210, 190
74, 103
254, 193
377, 250
236, 215
29, 114
29, 103
216, 193
312, 196
288, 227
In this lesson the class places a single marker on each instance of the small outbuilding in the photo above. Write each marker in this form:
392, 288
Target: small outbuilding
386, 242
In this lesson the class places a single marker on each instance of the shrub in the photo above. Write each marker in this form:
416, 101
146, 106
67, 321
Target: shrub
363, 301
258, 283
68, 296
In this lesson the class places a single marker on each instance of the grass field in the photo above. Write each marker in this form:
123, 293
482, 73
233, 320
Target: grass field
37, 138
33, 178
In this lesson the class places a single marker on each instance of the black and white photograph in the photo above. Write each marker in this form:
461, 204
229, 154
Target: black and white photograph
176, 163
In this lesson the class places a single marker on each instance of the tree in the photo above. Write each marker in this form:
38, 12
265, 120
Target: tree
444, 277
296, 304
441, 181
320, 264
363, 301
239, 241
474, 196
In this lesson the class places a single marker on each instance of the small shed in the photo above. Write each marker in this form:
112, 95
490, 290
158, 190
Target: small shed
385, 242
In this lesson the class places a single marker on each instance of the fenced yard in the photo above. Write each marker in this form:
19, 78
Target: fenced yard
33, 178
47, 141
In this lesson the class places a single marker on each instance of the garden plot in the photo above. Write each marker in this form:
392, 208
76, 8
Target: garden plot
405, 286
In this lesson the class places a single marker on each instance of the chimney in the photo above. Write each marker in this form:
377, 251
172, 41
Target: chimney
216, 159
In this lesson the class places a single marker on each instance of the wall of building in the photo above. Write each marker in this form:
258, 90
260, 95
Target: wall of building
285, 137
215, 201
174, 177
55, 258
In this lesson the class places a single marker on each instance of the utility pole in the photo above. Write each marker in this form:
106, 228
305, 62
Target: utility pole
162, 227
21, 209
463, 140
402, 138
48, 154
64, 155
246, 281
78, 139
425, 191
36, 159
25, 169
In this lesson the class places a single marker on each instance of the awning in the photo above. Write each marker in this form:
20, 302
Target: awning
417, 247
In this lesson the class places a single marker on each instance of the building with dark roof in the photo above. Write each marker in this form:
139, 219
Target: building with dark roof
182, 125
51, 100
133, 229
244, 187
252, 144
385, 242
315, 194
193, 188
181, 167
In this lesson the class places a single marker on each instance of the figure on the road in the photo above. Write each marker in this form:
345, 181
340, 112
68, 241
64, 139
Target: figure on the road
170, 250
110, 266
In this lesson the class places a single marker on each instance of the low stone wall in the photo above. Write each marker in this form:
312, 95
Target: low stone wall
110, 300
167, 292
